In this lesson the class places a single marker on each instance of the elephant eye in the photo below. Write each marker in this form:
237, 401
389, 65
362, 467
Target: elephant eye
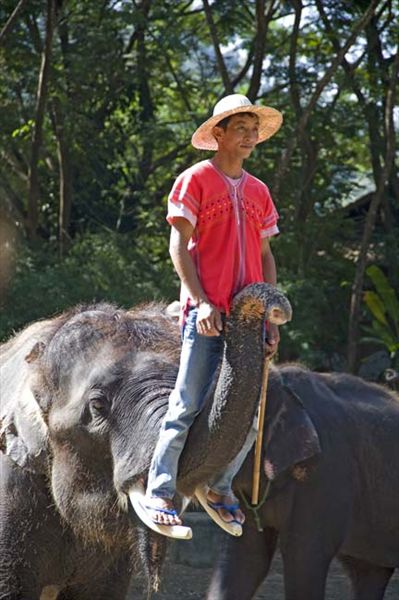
99, 403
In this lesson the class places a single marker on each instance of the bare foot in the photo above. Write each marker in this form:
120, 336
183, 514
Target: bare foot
162, 511
234, 514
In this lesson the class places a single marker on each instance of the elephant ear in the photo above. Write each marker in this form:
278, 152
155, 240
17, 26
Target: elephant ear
23, 431
290, 435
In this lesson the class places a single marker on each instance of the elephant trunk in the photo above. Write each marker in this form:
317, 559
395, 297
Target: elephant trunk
220, 430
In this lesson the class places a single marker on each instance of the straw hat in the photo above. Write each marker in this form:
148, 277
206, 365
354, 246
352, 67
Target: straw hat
270, 120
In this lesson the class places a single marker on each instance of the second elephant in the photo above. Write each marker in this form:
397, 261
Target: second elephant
329, 487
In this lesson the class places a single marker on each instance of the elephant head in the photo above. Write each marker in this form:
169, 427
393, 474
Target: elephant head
86, 393
291, 441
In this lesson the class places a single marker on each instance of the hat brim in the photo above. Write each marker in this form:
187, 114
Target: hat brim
270, 121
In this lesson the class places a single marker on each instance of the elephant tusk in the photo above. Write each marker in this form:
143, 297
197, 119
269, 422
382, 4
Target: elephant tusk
137, 498
185, 502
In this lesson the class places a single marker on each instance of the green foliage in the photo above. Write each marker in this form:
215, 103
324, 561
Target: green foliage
131, 81
102, 266
383, 304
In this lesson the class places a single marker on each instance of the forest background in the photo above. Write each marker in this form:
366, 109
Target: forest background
98, 102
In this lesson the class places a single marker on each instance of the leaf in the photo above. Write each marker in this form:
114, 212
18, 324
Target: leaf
386, 292
384, 334
374, 340
376, 306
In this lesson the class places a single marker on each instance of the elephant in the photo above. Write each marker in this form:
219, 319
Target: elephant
83, 397
329, 488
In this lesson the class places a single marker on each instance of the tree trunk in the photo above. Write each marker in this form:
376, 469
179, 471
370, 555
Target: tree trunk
34, 191
66, 180
145, 98
357, 288
262, 22
308, 154
228, 88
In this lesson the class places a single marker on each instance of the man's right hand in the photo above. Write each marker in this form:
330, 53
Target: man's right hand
209, 319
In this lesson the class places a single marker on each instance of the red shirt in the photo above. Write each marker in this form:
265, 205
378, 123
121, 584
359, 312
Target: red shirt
229, 223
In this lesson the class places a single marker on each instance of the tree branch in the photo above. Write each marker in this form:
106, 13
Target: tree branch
34, 32
245, 68
322, 83
219, 56
262, 23
12, 20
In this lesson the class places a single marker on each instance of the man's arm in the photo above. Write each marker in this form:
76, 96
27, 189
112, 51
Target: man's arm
268, 263
209, 321
270, 276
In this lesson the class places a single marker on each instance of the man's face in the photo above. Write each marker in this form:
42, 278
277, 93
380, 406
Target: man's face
240, 136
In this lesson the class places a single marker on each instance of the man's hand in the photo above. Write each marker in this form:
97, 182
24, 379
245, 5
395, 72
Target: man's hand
273, 338
209, 319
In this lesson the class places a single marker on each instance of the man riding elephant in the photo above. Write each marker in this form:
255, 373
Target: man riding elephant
221, 221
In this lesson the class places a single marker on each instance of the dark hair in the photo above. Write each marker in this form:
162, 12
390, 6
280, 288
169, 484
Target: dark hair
224, 122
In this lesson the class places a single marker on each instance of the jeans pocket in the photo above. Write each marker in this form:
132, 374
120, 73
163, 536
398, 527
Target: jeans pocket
190, 324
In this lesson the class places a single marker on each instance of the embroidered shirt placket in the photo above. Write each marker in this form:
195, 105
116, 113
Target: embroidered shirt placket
240, 233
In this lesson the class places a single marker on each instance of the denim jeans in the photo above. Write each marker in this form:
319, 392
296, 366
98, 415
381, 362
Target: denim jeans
199, 360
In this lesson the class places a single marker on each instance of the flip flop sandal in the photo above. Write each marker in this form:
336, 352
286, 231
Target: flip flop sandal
178, 532
211, 508
231, 508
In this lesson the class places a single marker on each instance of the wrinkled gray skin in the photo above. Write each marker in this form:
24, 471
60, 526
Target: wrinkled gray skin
331, 466
83, 396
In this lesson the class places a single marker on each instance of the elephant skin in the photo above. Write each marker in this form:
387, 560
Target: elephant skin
83, 397
329, 488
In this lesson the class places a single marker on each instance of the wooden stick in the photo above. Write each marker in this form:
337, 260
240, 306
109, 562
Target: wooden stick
259, 438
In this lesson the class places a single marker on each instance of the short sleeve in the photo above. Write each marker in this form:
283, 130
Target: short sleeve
184, 198
269, 226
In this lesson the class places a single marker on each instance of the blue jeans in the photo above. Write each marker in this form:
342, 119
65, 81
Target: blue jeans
199, 360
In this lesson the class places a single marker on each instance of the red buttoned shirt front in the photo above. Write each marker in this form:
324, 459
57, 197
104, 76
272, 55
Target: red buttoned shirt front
229, 223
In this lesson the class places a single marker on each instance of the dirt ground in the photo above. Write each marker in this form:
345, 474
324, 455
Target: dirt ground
181, 582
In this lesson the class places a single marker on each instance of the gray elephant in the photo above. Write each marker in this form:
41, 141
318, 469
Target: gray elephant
83, 396
329, 487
